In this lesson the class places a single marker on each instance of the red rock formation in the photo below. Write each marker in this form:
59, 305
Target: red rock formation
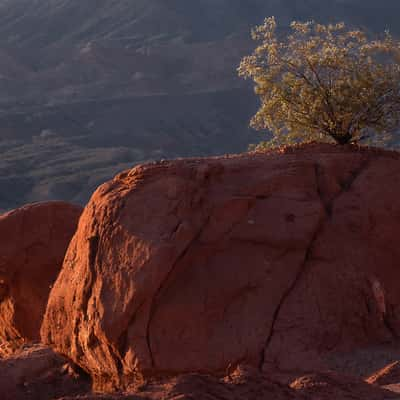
37, 373
50, 383
33, 242
388, 375
240, 385
271, 259
328, 386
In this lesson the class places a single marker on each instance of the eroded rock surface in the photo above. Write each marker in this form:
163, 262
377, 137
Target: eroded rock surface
37, 373
270, 259
33, 242
241, 385
388, 375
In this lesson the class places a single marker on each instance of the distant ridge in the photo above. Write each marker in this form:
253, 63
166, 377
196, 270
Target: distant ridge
87, 87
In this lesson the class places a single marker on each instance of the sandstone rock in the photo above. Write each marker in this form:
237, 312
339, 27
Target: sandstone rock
327, 386
272, 259
388, 375
37, 373
33, 242
251, 387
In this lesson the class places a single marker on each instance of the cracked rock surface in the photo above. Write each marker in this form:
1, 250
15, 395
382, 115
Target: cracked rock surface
33, 242
273, 260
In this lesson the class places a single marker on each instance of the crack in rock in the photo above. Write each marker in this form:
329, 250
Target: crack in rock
328, 207
122, 342
288, 291
162, 286
345, 187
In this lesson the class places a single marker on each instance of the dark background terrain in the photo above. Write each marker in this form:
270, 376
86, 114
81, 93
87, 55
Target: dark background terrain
90, 87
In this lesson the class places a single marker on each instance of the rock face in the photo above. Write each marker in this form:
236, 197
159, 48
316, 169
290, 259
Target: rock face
37, 373
33, 242
270, 259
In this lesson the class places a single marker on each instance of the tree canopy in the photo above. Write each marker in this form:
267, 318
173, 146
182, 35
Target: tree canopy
324, 83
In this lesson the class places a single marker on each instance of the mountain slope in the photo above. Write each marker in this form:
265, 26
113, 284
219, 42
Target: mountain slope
72, 21
153, 78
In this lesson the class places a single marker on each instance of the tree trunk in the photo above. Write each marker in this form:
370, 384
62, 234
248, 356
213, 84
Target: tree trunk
343, 139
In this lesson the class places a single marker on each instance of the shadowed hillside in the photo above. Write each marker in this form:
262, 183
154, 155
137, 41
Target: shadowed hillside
152, 78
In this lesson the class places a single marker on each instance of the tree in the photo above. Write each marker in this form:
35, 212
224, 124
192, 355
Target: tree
324, 83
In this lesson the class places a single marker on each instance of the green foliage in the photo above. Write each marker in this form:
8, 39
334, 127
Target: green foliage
324, 83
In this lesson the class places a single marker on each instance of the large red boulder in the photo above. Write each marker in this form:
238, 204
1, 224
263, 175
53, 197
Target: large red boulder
270, 259
33, 242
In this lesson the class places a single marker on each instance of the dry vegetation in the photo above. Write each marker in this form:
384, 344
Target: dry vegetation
325, 83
